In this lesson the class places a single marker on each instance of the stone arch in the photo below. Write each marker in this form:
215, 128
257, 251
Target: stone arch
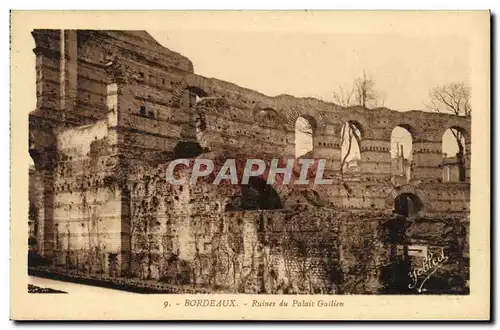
410, 190
460, 129
310, 115
197, 91
191, 84
457, 125
408, 205
410, 128
462, 135
409, 121
358, 125
359, 119
191, 95
321, 193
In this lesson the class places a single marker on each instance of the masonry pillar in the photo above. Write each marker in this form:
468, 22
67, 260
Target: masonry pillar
290, 143
118, 96
467, 158
375, 155
327, 146
427, 159
70, 72
45, 170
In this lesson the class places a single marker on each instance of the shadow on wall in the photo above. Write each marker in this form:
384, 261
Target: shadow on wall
257, 195
187, 150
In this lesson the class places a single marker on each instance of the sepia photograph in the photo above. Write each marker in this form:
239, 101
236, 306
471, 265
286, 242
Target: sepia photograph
262, 164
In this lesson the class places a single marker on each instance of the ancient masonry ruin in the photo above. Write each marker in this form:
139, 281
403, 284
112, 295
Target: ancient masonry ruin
115, 107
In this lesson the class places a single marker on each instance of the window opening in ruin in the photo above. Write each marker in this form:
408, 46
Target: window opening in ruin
142, 110
350, 152
304, 136
401, 154
453, 154
192, 95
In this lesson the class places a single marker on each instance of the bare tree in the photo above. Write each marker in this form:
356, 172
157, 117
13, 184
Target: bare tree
451, 98
455, 99
365, 94
361, 93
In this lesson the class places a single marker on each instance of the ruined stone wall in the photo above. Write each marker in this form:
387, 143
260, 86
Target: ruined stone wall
163, 105
77, 75
170, 224
115, 107
184, 235
87, 203
158, 221
36, 203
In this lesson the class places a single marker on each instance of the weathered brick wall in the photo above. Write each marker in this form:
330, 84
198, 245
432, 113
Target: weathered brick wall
87, 201
115, 107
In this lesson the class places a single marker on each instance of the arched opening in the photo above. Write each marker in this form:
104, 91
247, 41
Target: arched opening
394, 275
304, 136
453, 152
350, 147
256, 195
408, 205
401, 154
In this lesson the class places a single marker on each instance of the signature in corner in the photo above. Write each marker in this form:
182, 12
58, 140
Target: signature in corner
430, 265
